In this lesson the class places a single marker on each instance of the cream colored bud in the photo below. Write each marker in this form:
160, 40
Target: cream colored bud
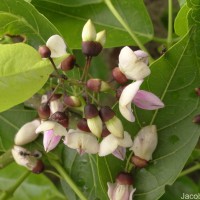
145, 142
101, 37
26, 133
95, 125
89, 32
115, 126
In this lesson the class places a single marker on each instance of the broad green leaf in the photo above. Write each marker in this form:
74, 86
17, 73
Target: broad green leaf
18, 17
84, 171
35, 186
180, 189
181, 23
181, 2
22, 73
177, 73
70, 21
73, 3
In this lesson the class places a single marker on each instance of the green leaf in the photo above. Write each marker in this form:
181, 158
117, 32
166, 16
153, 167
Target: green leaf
70, 21
22, 73
73, 3
181, 2
18, 17
83, 171
181, 22
182, 187
33, 188
177, 73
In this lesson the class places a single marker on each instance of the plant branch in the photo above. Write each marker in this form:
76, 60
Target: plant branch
68, 179
190, 170
127, 28
170, 23
6, 194
6, 159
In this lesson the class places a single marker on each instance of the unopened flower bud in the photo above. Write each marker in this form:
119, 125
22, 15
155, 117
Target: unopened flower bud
122, 189
196, 119
68, 63
197, 90
139, 162
124, 178
113, 124
93, 120
97, 85
88, 32
72, 101
39, 167
101, 37
25, 158
56, 103
44, 51
145, 142
91, 48
119, 76
105, 132
61, 118
44, 111
119, 91
82, 125
26, 133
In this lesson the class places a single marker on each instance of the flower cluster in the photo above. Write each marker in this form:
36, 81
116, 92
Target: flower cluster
99, 130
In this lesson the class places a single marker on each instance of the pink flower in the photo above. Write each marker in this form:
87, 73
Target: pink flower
122, 189
147, 100
53, 132
142, 99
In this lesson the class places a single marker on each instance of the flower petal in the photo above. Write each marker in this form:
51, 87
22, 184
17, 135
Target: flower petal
129, 92
82, 141
126, 98
126, 112
48, 125
108, 145
120, 153
56, 106
57, 46
50, 141
111, 187
145, 142
142, 55
147, 100
126, 141
26, 133
126, 58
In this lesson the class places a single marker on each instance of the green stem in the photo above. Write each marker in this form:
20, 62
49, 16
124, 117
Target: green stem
127, 168
6, 194
127, 28
190, 170
68, 179
6, 159
170, 23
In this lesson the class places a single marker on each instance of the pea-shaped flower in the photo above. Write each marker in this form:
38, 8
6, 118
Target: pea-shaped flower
133, 64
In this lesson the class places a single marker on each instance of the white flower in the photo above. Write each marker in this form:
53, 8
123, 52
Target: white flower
57, 46
145, 142
133, 65
81, 141
110, 143
126, 99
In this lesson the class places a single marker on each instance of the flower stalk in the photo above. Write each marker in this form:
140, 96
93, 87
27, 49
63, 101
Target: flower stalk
68, 179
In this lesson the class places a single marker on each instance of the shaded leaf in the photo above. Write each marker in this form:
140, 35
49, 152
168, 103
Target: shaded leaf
70, 21
181, 22
18, 17
33, 188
